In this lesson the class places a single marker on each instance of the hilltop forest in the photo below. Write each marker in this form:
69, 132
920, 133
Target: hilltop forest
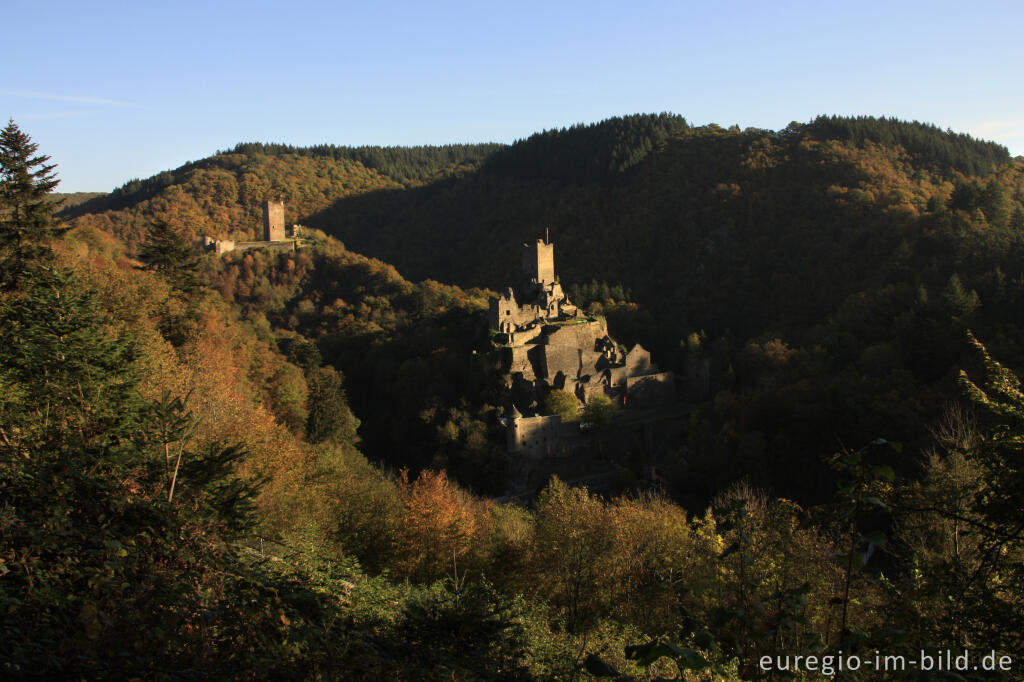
287, 464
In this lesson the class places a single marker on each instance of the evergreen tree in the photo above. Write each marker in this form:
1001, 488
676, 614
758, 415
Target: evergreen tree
168, 252
329, 415
26, 221
958, 300
74, 383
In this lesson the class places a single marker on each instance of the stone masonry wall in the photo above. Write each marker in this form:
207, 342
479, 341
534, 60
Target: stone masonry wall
273, 221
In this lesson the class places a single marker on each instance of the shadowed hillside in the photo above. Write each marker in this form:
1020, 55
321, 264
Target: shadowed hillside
827, 272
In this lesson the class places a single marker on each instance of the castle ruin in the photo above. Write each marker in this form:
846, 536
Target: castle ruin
550, 344
273, 221
275, 235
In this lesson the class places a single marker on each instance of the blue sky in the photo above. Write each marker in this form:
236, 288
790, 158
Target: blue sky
118, 90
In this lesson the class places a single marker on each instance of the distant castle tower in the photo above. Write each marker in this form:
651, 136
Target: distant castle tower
273, 221
539, 262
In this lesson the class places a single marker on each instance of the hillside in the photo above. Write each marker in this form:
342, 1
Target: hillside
827, 271
723, 228
222, 195
185, 493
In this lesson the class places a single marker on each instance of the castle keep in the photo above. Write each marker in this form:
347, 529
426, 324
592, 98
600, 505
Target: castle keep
275, 236
273, 221
550, 344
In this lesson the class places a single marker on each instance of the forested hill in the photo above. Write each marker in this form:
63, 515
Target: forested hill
728, 226
222, 195
828, 271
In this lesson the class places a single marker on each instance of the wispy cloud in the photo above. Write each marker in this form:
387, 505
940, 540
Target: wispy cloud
64, 98
70, 113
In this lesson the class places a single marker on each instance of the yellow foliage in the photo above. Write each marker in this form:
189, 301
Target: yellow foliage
436, 529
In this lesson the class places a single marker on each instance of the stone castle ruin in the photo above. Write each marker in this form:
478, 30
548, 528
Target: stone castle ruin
550, 344
275, 235
273, 221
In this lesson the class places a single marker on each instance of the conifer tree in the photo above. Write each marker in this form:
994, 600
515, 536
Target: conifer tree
75, 384
329, 415
26, 221
168, 252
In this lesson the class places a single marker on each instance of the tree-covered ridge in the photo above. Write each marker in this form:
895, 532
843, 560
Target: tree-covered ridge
587, 153
927, 144
832, 281
223, 196
673, 224
406, 165
69, 199
790, 245
258, 167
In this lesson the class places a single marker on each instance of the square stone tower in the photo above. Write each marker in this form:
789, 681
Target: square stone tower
539, 262
273, 221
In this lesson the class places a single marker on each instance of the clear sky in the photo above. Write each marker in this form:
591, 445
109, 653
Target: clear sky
119, 90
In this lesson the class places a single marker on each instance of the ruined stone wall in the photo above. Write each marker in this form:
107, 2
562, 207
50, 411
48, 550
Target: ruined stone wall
525, 336
540, 437
521, 361
557, 358
506, 314
583, 336
286, 245
589, 362
616, 376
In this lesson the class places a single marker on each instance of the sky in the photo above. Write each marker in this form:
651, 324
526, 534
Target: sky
114, 91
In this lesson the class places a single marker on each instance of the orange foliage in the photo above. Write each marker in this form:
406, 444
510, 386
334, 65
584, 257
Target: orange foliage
437, 526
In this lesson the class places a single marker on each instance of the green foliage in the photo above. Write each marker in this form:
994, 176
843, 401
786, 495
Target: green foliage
167, 252
407, 165
927, 143
573, 545
585, 153
993, 510
453, 633
75, 381
598, 412
583, 295
355, 502
26, 223
563, 404
330, 418
289, 393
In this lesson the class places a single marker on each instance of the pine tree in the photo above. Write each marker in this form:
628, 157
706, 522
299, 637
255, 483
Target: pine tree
26, 216
168, 252
329, 415
74, 383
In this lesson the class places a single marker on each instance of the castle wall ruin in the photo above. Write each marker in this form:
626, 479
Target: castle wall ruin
541, 436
